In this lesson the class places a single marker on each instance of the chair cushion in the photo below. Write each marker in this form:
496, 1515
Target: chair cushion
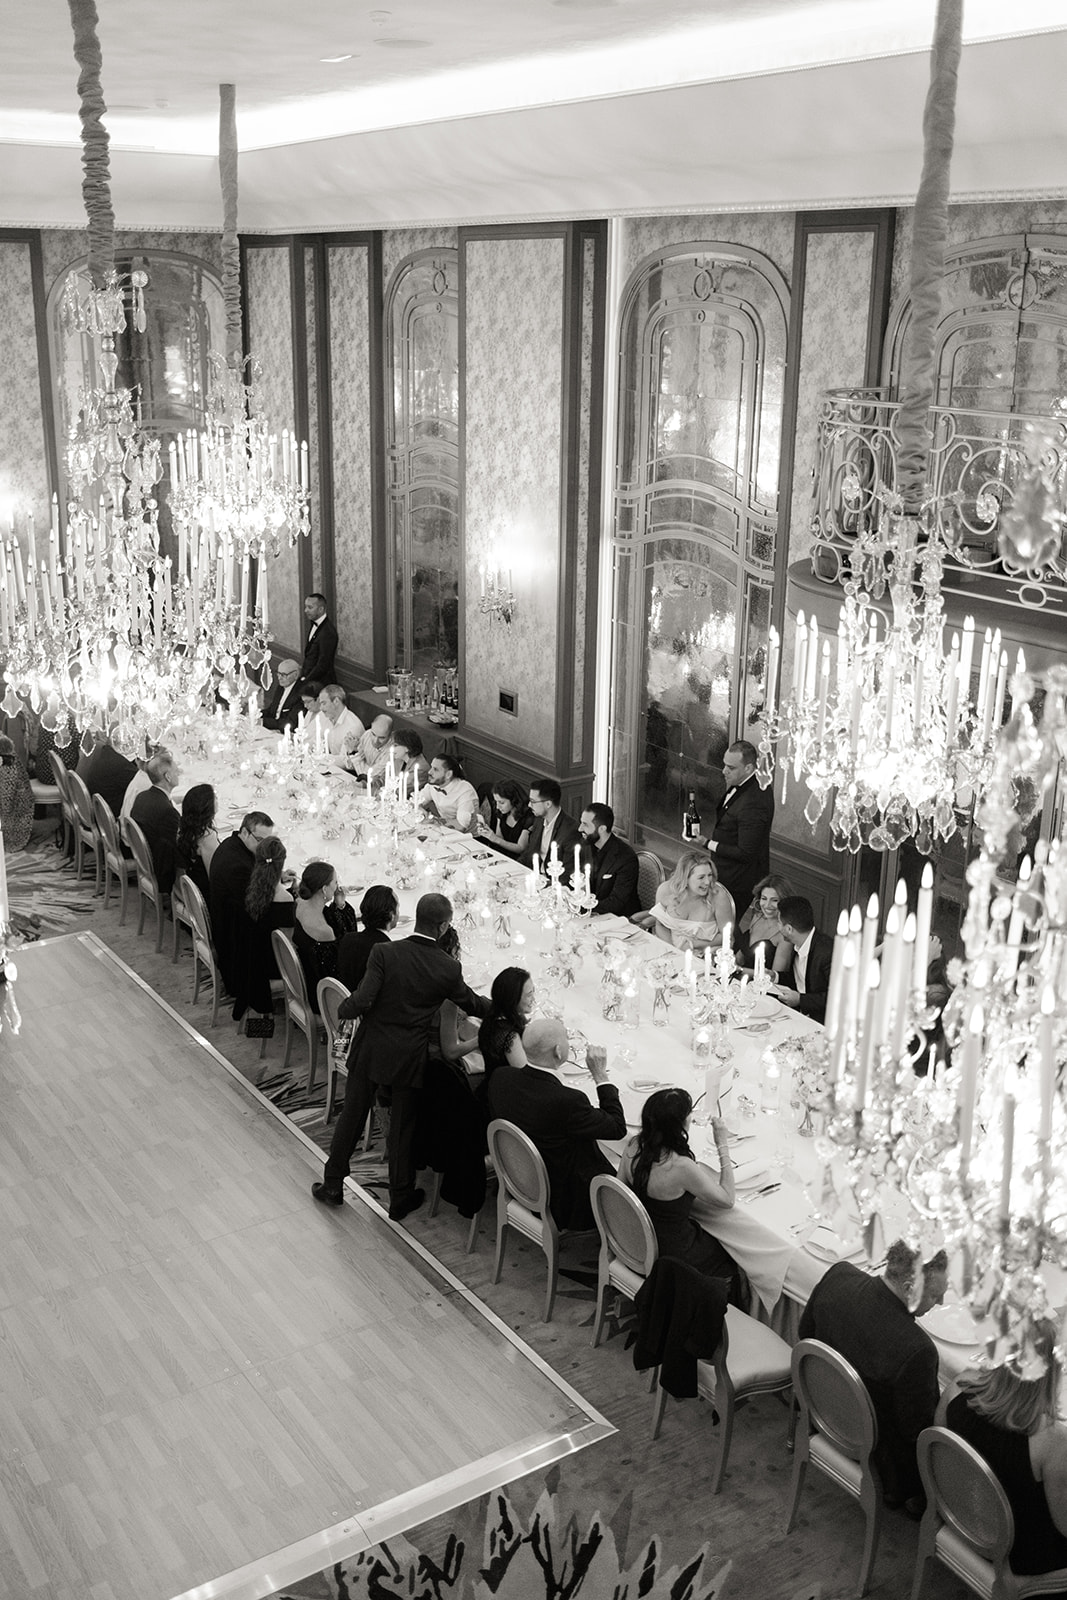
623, 1279
757, 1358
527, 1222
964, 1560
835, 1464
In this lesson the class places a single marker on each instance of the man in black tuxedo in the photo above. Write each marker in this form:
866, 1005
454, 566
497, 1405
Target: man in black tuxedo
108, 774
283, 705
741, 837
611, 861
813, 955
552, 826
871, 1322
404, 986
561, 1121
228, 875
157, 816
321, 646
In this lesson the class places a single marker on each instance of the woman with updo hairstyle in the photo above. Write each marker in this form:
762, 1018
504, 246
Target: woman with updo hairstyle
511, 1000
659, 1166
267, 905
450, 1134
323, 917
197, 840
1010, 1415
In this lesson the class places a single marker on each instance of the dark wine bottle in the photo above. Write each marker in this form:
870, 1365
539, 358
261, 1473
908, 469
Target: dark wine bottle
691, 824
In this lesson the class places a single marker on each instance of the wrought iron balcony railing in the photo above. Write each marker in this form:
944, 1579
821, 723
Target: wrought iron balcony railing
997, 496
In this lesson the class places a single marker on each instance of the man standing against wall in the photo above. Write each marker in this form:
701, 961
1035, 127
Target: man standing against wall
741, 838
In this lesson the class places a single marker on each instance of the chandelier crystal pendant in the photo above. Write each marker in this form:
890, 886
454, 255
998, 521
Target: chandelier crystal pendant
884, 722
973, 1155
886, 726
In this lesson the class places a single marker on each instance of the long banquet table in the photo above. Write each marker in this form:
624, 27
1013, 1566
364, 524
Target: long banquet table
773, 1231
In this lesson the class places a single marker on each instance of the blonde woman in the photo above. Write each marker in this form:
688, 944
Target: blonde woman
692, 908
1012, 1420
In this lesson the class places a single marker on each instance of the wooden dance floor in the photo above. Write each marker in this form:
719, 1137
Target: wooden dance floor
211, 1385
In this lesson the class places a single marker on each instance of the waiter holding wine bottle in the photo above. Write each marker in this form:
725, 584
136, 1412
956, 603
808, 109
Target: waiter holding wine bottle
740, 839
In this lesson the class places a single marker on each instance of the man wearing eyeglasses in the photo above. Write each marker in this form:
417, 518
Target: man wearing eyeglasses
283, 705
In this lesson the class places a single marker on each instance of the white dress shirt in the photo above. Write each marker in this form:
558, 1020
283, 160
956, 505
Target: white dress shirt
800, 963
456, 803
347, 726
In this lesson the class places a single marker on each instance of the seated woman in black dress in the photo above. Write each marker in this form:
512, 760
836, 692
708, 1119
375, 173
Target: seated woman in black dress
510, 819
1013, 1423
197, 840
500, 1035
268, 905
451, 1133
323, 917
660, 1168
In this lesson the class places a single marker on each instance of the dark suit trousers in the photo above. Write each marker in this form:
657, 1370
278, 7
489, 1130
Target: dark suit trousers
400, 1145
348, 1129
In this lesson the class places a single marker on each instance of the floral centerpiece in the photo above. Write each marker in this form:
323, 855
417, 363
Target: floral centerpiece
807, 1059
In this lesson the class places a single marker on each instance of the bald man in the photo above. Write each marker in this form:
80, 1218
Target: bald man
367, 756
283, 705
561, 1121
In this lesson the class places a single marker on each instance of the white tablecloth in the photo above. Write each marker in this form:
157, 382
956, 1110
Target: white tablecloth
772, 1235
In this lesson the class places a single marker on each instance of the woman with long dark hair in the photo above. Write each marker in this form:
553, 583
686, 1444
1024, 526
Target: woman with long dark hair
197, 840
659, 1166
268, 905
510, 819
500, 1035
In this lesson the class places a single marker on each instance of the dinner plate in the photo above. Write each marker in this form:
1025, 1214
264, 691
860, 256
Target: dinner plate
765, 1008
952, 1325
649, 1085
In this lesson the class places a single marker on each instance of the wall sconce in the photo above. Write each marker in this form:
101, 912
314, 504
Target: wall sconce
497, 600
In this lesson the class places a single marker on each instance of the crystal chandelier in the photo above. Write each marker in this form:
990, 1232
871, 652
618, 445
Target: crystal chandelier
95, 635
885, 722
237, 490
974, 1155
888, 726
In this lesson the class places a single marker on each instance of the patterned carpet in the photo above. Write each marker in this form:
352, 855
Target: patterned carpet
625, 1519
44, 898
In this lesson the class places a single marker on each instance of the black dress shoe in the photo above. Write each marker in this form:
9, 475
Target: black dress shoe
328, 1194
397, 1213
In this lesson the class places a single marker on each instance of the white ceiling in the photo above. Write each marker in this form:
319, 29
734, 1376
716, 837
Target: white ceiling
475, 109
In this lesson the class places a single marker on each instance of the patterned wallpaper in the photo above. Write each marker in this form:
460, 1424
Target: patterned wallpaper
270, 337
832, 353
770, 232
584, 532
61, 246
512, 398
23, 470
352, 463
401, 242
310, 332
979, 222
